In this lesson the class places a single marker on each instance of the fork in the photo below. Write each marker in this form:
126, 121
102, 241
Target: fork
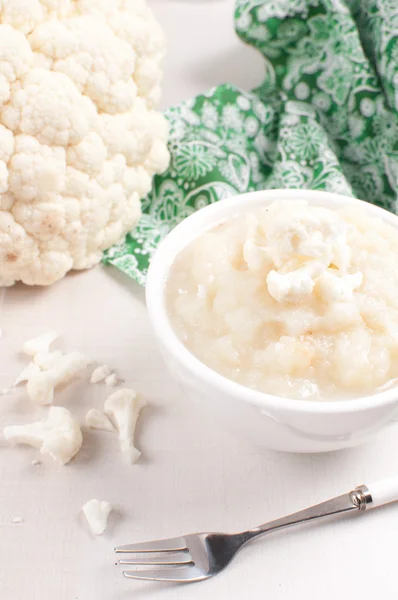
198, 556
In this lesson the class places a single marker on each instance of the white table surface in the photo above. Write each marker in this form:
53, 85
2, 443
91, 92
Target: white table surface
192, 476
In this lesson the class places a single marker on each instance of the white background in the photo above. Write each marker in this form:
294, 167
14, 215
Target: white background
192, 476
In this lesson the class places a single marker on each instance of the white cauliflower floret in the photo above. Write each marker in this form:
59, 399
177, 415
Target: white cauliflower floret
26, 373
111, 380
123, 408
89, 155
36, 170
39, 350
45, 360
104, 373
48, 369
100, 373
3, 177
15, 56
40, 386
96, 419
6, 144
58, 435
99, 63
49, 107
26, 14
97, 513
309, 246
40, 344
79, 139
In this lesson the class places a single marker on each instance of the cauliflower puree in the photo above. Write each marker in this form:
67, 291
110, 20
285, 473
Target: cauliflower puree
293, 299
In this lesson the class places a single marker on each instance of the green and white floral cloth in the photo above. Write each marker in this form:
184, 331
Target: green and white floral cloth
326, 117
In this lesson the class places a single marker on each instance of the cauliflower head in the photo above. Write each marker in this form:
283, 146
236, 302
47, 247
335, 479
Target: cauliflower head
79, 137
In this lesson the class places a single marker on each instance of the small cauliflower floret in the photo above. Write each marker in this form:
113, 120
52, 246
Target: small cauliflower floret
88, 156
40, 344
3, 177
303, 242
45, 360
291, 287
38, 349
111, 380
40, 386
36, 178
15, 58
49, 107
107, 77
96, 419
24, 15
123, 408
296, 229
58, 435
100, 373
96, 513
27, 372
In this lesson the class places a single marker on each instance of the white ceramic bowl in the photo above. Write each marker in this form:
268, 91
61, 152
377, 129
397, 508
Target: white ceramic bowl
270, 421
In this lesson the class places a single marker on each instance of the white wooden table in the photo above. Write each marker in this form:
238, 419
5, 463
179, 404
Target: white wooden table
192, 475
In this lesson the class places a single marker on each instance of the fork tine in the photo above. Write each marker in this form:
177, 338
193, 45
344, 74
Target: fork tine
185, 574
168, 545
169, 559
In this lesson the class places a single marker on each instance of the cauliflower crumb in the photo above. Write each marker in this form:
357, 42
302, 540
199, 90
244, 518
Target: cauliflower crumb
45, 360
40, 385
26, 373
111, 380
35, 463
58, 435
17, 520
96, 419
123, 408
40, 344
96, 513
100, 373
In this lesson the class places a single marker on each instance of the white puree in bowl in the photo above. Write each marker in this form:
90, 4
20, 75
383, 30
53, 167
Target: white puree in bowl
294, 300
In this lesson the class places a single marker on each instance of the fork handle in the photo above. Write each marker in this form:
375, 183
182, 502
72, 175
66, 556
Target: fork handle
384, 491
362, 497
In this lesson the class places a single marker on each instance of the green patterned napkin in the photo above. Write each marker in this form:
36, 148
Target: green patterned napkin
324, 118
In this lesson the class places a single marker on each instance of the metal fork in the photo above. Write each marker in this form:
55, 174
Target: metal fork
198, 556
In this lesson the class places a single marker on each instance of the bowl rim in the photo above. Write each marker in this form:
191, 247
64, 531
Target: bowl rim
164, 331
